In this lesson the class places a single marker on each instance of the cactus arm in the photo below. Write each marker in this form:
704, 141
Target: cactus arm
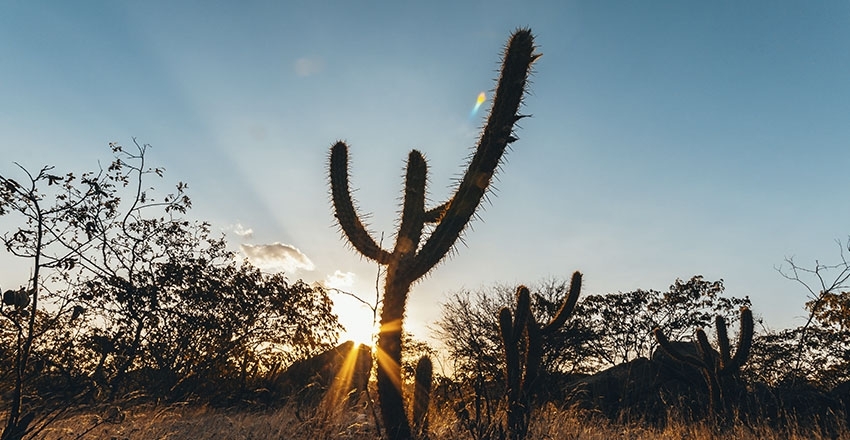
494, 140
506, 325
745, 339
509, 339
410, 229
710, 371
523, 312
665, 345
705, 350
435, 214
723, 342
345, 212
567, 307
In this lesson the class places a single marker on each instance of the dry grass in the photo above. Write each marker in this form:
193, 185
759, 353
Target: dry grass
177, 422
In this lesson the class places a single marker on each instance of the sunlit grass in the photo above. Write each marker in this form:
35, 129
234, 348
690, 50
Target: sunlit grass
177, 422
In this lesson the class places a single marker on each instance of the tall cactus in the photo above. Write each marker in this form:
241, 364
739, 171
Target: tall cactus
720, 370
410, 259
522, 336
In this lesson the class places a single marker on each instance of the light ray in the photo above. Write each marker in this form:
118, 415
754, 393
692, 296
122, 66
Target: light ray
390, 365
343, 385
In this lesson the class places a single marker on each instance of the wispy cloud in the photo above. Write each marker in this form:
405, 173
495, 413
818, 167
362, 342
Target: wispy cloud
307, 66
277, 257
240, 230
339, 280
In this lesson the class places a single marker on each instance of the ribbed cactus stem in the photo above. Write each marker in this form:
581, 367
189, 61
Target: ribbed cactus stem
722, 341
705, 349
523, 311
423, 379
745, 340
411, 258
567, 307
510, 336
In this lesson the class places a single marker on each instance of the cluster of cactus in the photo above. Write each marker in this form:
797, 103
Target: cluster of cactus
720, 369
411, 258
522, 337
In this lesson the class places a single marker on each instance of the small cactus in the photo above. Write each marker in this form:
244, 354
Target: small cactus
523, 337
412, 257
720, 369
422, 396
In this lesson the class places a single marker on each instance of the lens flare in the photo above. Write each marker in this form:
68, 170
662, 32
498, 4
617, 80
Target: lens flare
481, 98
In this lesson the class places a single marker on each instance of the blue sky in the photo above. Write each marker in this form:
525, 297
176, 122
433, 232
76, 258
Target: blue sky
668, 139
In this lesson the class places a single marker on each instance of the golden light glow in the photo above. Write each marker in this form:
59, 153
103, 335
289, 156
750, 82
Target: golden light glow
361, 334
358, 320
392, 326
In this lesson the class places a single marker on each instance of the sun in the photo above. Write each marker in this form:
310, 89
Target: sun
360, 330
357, 316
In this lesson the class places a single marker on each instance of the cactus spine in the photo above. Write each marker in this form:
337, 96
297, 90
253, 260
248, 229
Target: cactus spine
422, 396
410, 259
721, 372
523, 337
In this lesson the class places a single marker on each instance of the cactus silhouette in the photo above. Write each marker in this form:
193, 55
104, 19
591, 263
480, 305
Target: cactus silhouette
422, 396
721, 371
523, 337
410, 258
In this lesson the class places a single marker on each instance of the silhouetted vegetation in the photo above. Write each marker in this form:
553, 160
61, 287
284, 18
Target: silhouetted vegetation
613, 366
129, 302
129, 297
606, 329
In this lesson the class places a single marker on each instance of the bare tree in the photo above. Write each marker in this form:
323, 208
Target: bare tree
828, 300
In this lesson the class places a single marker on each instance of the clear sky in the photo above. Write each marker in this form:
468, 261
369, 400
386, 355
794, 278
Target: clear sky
669, 138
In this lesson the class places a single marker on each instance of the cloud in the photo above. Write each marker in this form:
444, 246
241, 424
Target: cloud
339, 280
277, 257
241, 231
306, 66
